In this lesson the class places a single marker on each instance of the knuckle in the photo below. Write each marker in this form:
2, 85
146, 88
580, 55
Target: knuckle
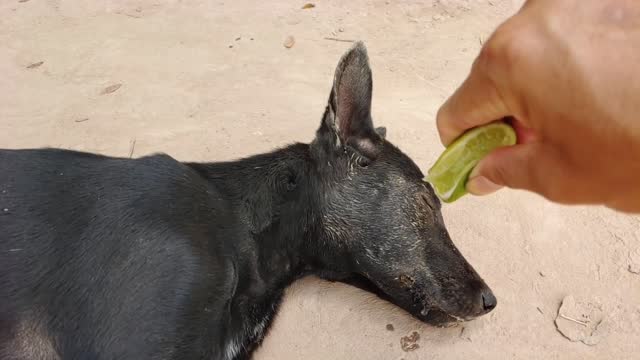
510, 47
446, 123
440, 124
443, 119
441, 116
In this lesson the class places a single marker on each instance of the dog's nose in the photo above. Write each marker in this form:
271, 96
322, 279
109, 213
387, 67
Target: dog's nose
489, 300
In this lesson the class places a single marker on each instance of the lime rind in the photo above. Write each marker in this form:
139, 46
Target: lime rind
450, 173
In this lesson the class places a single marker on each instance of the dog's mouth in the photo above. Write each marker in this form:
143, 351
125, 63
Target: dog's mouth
437, 317
430, 315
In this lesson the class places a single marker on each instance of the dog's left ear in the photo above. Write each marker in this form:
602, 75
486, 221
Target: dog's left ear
347, 119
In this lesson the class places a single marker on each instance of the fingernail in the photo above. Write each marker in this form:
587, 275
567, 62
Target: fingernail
480, 185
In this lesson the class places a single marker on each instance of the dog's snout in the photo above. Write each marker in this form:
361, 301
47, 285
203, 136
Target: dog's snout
489, 300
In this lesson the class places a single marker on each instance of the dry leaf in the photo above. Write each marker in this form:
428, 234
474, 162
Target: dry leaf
111, 88
309, 6
35, 65
289, 41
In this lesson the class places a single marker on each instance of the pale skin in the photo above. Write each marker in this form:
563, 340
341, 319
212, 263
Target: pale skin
567, 74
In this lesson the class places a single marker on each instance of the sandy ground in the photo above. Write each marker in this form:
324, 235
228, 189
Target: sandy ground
211, 80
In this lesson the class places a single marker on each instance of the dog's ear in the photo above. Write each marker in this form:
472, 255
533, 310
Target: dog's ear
347, 119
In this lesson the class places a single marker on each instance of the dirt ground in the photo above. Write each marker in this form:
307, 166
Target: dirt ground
211, 80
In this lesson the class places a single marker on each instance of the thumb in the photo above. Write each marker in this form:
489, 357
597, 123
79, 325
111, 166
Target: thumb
525, 166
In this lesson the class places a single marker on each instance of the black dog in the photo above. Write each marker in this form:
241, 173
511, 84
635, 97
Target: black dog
109, 258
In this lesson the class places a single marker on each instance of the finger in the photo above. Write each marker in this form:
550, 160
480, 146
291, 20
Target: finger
534, 166
524, 134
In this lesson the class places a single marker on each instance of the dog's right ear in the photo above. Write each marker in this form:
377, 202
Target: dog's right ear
347, 118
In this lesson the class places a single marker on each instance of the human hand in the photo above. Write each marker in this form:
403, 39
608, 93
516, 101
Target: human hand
566, 72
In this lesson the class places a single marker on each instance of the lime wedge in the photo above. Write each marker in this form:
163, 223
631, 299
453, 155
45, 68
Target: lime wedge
449, 174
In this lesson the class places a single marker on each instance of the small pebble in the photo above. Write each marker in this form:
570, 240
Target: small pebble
289, 41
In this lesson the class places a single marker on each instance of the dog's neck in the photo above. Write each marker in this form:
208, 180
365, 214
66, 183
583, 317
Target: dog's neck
275, 195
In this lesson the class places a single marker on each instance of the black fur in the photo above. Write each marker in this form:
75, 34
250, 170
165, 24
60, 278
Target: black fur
110, 258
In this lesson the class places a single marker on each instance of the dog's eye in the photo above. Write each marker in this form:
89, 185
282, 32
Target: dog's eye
427, 201
363, 161
291, 182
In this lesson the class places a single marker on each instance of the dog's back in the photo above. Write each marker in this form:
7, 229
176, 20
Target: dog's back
96, 249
